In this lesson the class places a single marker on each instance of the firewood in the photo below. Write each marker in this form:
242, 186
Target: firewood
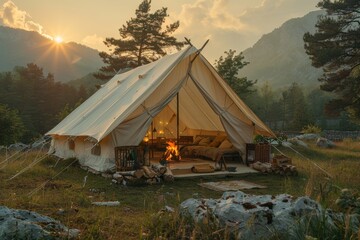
136, 173
149, 173
158, 168
118, 178
168, 175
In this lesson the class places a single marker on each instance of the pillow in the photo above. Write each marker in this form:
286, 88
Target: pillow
225, 144
197, 140
204, 142
217, 141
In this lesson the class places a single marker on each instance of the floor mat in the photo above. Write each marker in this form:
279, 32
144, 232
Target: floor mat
180, 171
230, 185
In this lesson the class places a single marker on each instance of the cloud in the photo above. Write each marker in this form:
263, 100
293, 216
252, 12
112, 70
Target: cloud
12, 16
232, 24
94, 41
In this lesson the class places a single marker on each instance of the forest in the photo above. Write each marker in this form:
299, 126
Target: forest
32, 103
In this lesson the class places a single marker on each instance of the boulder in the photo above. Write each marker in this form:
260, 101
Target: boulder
308, 136
24, 224
260, 216
17, 147
324, 143
297, 141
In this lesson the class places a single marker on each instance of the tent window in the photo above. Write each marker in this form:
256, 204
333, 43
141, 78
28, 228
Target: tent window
71, 144
96, 150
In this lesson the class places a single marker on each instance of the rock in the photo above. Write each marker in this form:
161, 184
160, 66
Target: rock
308, 136
297, 141
287, 144
24, 224
18, 147
260, 216
324, 143
41, 144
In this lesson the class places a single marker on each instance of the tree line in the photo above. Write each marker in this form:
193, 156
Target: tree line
32, 103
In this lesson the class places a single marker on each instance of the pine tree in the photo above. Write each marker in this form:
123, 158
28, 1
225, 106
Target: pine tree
335, 47
143, 39
228, 67
11, 126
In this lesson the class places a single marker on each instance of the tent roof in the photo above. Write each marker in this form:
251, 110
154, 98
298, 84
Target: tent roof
133, 93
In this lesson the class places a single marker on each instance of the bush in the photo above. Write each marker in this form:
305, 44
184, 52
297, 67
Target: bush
311, 129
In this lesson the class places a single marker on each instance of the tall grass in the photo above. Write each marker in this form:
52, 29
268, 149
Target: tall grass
139, 214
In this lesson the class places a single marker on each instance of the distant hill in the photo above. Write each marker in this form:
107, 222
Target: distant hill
90, 83
279, 57
67, 61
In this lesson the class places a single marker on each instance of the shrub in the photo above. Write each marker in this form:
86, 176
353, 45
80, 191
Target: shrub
310, 128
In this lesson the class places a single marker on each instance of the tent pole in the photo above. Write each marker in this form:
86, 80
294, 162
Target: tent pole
177, 121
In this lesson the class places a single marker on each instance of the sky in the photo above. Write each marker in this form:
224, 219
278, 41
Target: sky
228, 24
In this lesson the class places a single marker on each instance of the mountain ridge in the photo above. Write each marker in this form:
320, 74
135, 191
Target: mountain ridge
67, 61
279, 57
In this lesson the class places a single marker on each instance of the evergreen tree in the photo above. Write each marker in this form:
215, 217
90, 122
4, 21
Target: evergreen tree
228, 67
295, 109
11, 126
143, 39
335, 47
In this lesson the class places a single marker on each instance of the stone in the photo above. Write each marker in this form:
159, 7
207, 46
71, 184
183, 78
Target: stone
24, 224
261, 216
324, 143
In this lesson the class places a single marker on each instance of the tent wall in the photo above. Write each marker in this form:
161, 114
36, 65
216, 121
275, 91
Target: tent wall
82, 151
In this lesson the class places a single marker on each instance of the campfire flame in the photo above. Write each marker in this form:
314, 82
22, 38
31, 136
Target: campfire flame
172, 152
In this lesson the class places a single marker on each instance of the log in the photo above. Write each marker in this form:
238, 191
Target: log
149, 173
159, 169
136, 173
168, 175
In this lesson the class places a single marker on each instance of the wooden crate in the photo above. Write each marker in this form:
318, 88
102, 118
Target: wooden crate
129, 158
257, 153
262, 152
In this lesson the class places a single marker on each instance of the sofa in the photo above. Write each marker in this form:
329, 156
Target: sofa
210, 147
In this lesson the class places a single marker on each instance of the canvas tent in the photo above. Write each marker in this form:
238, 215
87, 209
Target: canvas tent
122, 111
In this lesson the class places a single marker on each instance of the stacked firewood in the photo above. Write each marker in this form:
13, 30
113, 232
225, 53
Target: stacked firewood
280, 164
144, 175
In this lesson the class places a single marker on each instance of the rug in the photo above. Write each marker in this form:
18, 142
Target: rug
180, 171
230, 185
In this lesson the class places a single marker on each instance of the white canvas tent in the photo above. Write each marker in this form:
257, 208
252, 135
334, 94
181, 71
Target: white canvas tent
122, 111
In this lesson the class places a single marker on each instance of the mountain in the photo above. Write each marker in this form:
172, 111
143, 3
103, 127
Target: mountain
67, 61
280, 58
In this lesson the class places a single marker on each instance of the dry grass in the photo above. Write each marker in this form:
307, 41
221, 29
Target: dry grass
139, 205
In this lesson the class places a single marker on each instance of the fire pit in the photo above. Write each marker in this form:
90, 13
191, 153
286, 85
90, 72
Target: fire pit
171, 154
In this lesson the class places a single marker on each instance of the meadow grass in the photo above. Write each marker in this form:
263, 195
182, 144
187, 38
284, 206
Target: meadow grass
66, 199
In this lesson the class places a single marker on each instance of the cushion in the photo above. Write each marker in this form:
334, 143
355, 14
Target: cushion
217, 141
225, 144
197, 140
204, 142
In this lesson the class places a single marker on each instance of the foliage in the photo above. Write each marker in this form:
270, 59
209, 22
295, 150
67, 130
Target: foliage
311, 129
11, 126
335, 47
36, 97
349, 201
143, 39
228, 67
295, 110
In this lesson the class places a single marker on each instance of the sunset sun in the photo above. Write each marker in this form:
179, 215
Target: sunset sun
58, 39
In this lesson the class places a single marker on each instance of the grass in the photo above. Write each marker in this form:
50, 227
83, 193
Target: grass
138, 216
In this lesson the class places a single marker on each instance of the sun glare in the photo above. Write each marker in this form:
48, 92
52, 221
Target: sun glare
58, 39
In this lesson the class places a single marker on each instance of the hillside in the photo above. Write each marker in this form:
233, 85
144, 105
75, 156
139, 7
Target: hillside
279, 57
67, 61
